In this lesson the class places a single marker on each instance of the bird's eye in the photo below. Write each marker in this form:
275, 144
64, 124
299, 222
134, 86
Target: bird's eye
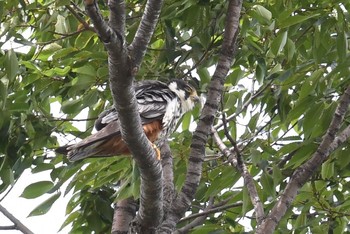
188, 89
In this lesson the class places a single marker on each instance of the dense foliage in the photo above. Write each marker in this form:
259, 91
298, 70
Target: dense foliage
292, 65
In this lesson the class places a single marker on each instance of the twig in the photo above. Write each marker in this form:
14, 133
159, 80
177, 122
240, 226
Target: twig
201, 59
63, 36
80, 19
18, 225
68, 119
10, 227
245, 105
213, 209
238, 163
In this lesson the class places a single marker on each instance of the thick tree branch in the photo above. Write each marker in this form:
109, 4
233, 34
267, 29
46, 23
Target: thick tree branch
206, 119
103, 30
121, 76
340, 139
117, 17
144, 32
17, 224
124, 213
304, 172
168, 176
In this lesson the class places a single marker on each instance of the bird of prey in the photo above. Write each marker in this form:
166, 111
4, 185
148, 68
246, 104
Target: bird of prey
160, 107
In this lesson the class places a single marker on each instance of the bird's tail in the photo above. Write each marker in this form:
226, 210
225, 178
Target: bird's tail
106, 142
63, 149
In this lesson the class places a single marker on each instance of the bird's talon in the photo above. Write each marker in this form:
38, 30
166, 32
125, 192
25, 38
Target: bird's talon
157, 151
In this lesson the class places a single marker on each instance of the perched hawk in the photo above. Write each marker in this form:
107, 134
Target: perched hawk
160, 106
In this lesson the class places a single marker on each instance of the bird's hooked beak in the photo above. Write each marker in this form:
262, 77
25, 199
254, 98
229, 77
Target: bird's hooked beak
194, 97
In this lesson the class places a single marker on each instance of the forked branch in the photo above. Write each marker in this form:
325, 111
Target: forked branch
122, 71
301, 175
206, 119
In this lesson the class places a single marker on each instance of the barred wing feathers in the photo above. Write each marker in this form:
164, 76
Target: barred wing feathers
152, 97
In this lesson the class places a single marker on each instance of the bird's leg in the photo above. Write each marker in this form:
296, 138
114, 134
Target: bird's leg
157, 150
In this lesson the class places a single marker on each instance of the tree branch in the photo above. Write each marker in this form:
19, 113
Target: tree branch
124, 213
103, 30
340, 139
238, 163
79, 18
304, 172
168, 176
144, 32
17, 224
197, 221
121, 75
210, 209
214, 208
12, 227
117, 17
206, 119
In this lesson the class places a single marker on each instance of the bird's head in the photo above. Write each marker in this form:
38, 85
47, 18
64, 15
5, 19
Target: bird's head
186, 93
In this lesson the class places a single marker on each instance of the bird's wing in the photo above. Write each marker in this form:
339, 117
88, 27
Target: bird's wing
152, 98
97, 144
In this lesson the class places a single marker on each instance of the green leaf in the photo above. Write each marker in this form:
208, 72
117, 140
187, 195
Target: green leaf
86, 70
37, 189
279, 42
300, 107
62, 3
3, 92
296, 19
261, 13
64, 52
343, 159
302, 154
135, 181
246, 201
276, 175
327, 170
46, 53
43, 167
253, 122
71, 217
71, 106
11, 65
61, 71
124, 191
268, 185
186, 121
45, 206
290, 49
260, 71
301, 221
342, 45
204, 75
